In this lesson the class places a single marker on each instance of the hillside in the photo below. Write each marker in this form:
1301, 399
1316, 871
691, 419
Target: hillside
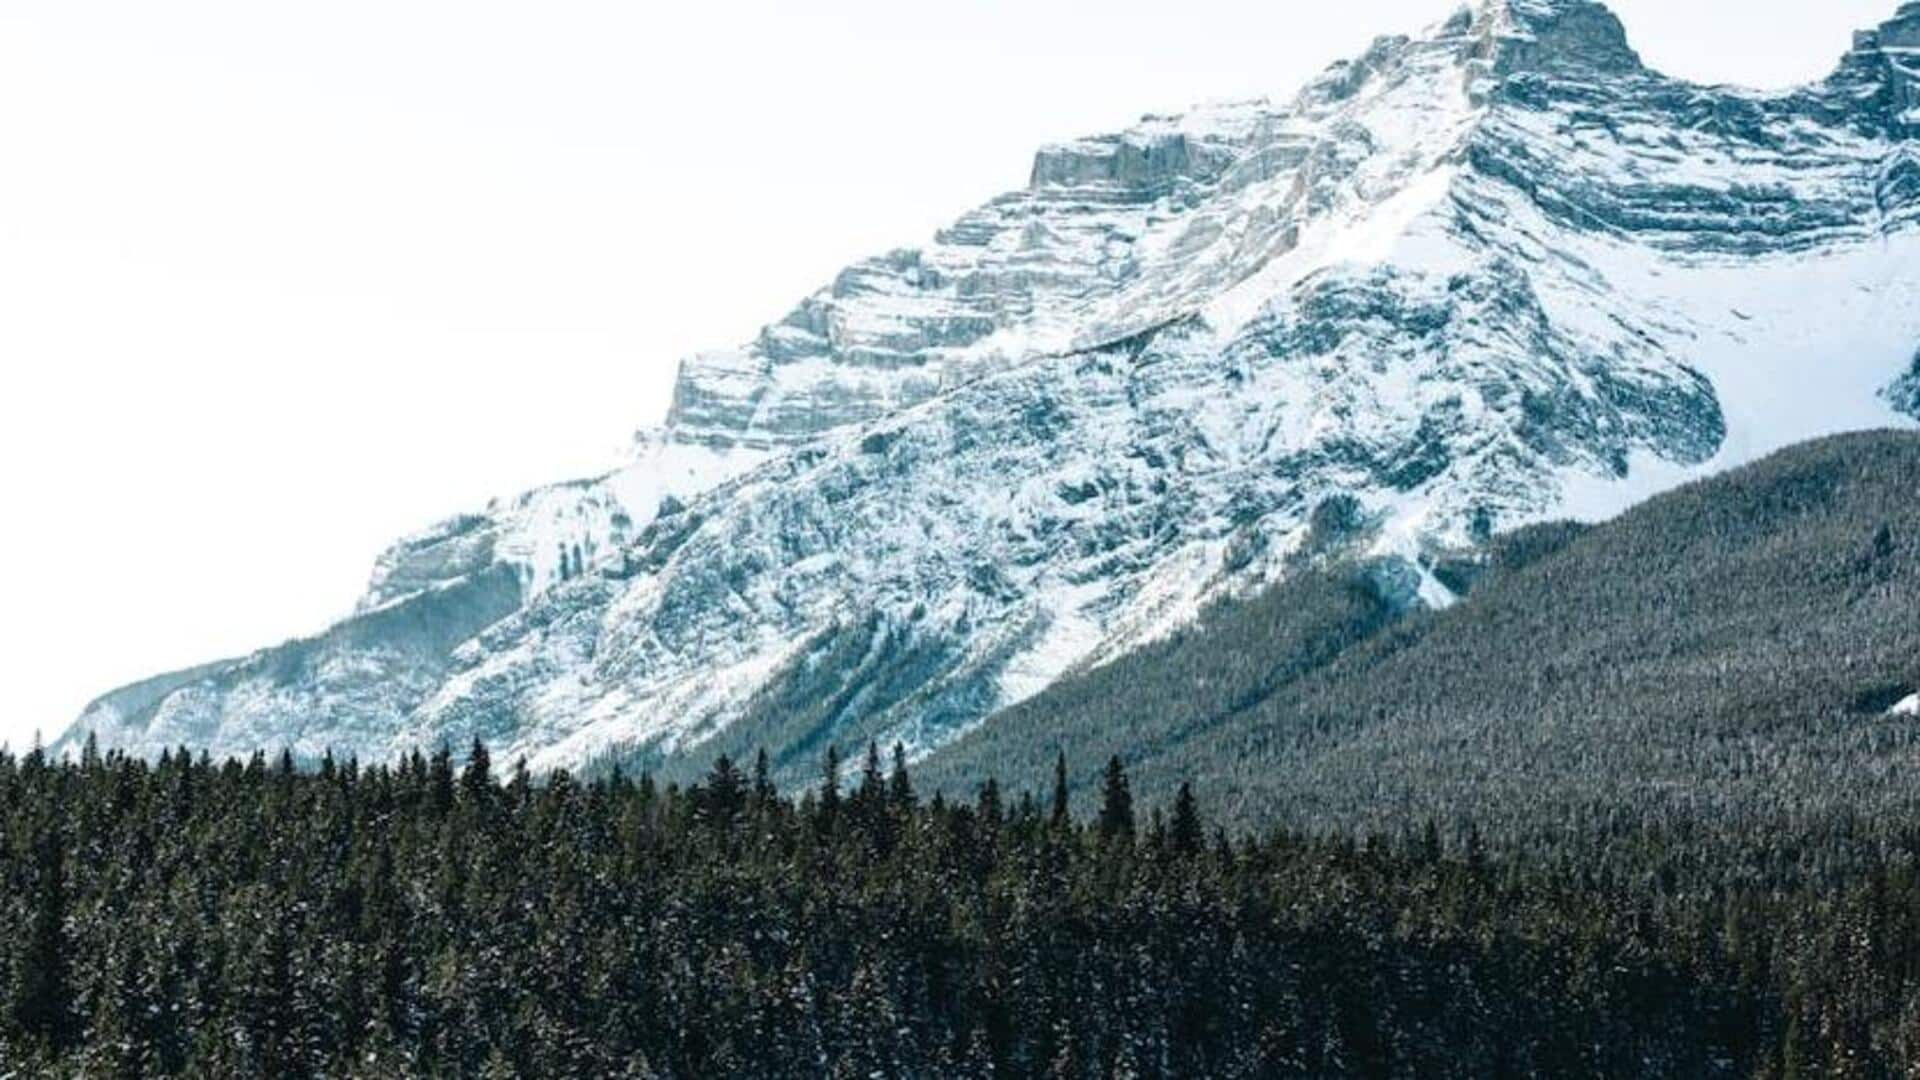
1735, 647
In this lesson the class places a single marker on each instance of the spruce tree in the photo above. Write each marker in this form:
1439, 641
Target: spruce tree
872, 782
829, 809
1116, 804
1059, 816
476, 781
725, 794
764, 793
1187, 835
41, 997
440, 781
899, 784
988, 805
520, 787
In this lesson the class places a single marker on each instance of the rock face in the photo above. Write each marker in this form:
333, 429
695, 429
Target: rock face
1495, 273
1883, 71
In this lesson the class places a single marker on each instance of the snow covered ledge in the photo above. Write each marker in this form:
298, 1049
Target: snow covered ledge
1909, 707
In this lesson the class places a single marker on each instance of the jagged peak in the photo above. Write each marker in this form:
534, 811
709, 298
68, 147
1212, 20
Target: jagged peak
1510, 36
1539, 35
1896, 36
1882, 73
1905, 17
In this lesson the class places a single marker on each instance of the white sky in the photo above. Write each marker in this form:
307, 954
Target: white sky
282, 281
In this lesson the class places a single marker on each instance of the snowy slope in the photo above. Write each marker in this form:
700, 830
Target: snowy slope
1495, 273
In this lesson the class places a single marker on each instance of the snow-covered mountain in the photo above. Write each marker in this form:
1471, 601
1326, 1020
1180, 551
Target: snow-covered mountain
1491, 274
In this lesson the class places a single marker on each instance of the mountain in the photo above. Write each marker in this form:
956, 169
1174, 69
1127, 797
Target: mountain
1493, 274
1740, 649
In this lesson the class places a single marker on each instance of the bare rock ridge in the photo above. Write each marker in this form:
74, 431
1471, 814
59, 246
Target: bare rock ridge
1492, 273
1884, 71
1542, 35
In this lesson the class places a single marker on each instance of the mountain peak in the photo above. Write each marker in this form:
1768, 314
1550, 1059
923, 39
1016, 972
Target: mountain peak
1882, 73
1538, 35
1467, 280
1898, 35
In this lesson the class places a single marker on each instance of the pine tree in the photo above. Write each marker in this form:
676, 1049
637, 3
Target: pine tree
476, 781
829, 809
1059, 816
520, 788
988, 805
764, 793
120, 1041
41, 998
725, 794
440, 779
1116, 804
1187, 835
899, 784
872, 783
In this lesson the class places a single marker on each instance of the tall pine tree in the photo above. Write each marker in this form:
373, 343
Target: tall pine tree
1116, 804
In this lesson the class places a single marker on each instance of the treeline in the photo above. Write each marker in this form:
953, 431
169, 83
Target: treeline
252, 919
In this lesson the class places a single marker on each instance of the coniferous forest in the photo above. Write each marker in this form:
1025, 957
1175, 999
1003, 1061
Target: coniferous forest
436, 918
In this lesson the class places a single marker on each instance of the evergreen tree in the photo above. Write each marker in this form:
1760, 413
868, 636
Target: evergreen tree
476, 781
872, 782
1058, 818
41, 997
899, 784
121, 1039
1116, 804
829, 811
764, 792
988, 805
440, 779
520, 788
725, 794
1187, 835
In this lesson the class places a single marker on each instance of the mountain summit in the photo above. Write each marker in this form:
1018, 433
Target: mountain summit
1540, 35
1882, 73
1491, 274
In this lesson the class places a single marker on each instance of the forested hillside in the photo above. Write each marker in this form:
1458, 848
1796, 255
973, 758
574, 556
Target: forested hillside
1728, 650
183, 918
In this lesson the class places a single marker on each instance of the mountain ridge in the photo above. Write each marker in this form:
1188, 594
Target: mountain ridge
1487, 275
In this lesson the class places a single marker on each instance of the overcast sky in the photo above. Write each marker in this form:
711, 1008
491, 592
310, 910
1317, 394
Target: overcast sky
280, 282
